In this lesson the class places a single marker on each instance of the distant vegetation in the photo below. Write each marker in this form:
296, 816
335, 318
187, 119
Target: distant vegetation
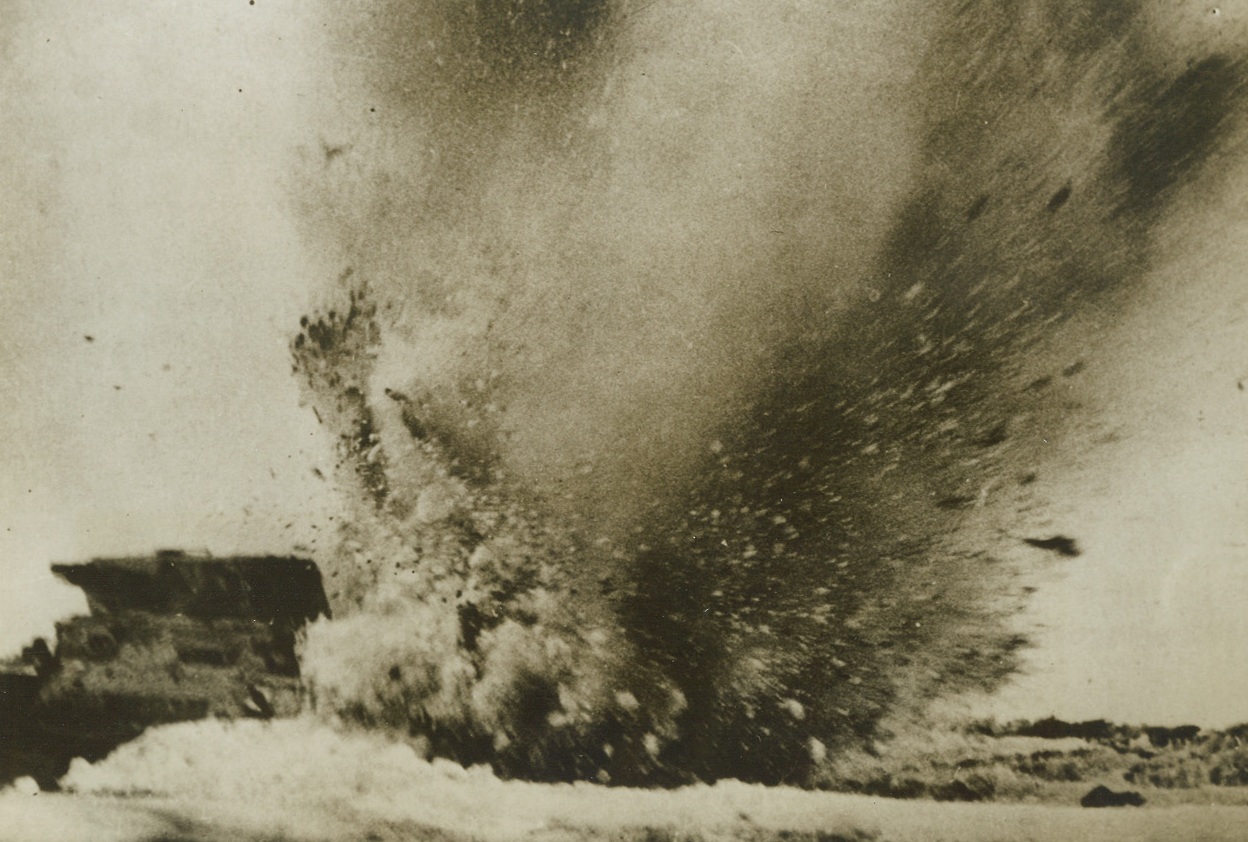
1047, 760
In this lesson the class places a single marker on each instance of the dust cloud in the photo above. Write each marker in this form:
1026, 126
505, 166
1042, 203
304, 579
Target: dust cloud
692, 369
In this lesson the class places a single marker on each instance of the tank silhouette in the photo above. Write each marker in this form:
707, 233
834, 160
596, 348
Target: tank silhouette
168, 638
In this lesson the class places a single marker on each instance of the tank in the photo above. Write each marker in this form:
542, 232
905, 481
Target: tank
168, 638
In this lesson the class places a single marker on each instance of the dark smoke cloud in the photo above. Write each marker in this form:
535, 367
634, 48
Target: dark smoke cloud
676, 357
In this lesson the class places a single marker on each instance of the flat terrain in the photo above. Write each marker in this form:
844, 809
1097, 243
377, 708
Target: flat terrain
574, 813
301, 780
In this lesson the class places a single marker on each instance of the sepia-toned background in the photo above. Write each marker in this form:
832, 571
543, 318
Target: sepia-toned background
154, 270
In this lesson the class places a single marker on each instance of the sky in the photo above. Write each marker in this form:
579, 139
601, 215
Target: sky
152, 273
1149, 623
152, 276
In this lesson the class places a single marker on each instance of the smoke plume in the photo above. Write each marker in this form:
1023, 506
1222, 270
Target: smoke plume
686, 360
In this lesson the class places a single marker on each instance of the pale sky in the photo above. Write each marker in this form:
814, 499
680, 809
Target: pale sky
1149, 624
144, 167
141, 165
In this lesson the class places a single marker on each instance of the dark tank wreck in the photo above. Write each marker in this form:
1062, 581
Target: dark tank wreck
168, 638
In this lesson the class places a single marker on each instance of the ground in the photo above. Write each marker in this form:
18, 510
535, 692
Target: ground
301, 781
557, 813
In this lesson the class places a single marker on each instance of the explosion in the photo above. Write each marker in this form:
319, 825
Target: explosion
682, 413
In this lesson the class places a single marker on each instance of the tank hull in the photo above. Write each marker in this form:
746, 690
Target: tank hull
169, 638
